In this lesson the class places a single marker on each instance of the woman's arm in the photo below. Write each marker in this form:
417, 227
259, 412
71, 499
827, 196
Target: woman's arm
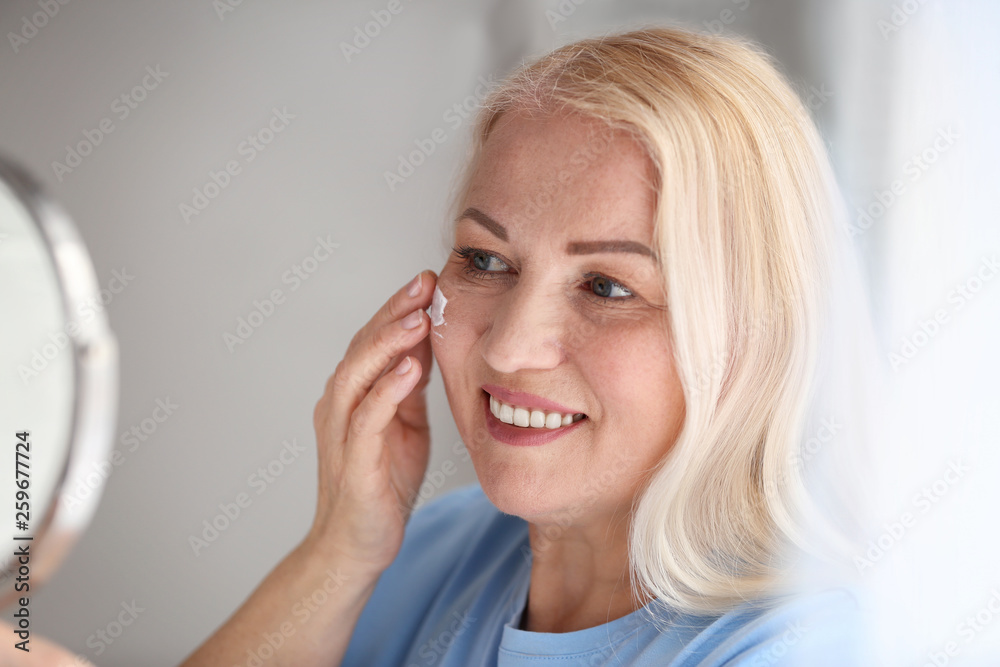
303, 613
373, 442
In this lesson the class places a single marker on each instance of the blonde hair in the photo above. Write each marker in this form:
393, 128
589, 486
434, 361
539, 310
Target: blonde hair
745, 228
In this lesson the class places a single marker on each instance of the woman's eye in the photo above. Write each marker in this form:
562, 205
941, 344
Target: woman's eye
606, 288
480, 263
484, 264
484, 261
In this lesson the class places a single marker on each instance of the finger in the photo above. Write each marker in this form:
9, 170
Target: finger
421, 350
365, 441
413, 409
398, 305
360, 370
427, 281
370, 355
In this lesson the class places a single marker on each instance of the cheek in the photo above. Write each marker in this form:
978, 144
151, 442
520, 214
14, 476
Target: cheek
458, 318
606, 339
462, 306
630, 367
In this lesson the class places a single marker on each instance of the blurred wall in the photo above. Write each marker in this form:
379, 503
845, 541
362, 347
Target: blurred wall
202, 222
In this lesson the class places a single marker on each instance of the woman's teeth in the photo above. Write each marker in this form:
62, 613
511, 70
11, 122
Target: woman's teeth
510, 414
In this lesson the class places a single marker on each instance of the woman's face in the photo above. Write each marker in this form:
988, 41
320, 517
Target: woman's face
558, 296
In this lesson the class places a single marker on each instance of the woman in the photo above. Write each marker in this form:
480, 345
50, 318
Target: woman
629, 330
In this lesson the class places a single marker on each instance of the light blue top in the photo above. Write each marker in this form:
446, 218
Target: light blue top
454, 596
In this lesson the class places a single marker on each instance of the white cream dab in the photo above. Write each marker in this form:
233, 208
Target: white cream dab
437, 309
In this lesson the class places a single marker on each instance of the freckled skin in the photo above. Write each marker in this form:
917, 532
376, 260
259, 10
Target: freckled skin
536, 326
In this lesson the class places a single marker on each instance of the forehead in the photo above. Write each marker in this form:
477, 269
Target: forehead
565, 175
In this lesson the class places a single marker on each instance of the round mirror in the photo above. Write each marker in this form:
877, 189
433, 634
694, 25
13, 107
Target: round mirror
58, 388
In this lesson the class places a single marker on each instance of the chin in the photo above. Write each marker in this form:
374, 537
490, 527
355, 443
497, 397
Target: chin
519, 489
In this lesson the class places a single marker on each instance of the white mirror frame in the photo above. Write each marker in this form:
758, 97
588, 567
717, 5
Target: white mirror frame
95, 378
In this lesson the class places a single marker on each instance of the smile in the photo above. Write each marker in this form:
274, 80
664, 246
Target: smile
512, 433
528, 418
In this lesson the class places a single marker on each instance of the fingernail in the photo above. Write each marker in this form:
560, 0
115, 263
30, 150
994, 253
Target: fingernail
412, 320
404, 366
414, 287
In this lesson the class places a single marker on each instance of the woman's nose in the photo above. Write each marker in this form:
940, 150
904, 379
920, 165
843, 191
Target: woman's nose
526, 331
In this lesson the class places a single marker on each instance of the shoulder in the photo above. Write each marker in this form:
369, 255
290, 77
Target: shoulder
818, 629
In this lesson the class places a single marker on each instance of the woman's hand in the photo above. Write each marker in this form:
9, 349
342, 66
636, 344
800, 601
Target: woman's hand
372, 434
373, 443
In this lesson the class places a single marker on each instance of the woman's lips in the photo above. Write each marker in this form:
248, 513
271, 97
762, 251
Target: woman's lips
522, 435
526, 400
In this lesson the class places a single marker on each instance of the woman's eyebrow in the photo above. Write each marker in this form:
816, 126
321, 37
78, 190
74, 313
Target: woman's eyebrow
573, 248
589, 247
486, 221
